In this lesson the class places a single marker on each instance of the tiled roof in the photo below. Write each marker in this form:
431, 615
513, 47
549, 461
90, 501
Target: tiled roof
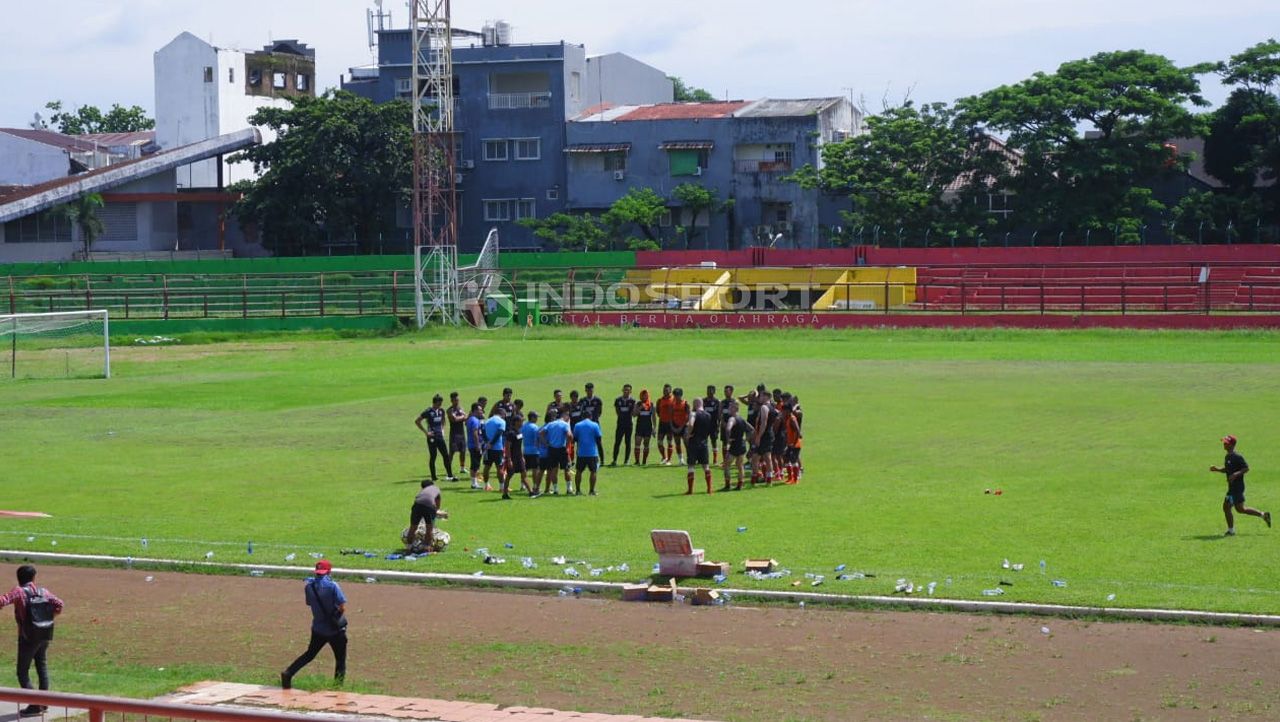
684, 111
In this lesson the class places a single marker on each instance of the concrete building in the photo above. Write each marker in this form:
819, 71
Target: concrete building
203, 91
740, 150
512, 105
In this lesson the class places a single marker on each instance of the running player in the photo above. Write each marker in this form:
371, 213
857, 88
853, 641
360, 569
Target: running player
643, 412
457, 432
434, 431
555, 436
666, 405
623, 408
495, 436
474, 425
680, 415
588, 440
532, 452
1235, 467
711, 405
698, 429
736, 433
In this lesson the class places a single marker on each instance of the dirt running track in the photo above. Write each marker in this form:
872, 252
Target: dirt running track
721, 663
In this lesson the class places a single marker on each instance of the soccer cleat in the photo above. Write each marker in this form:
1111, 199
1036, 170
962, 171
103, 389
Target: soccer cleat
1230, 532
1266, 516
534, 495
507, 497
591, 493
476, 485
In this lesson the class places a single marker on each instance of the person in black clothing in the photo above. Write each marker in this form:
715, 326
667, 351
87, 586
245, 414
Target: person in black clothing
457, 432
698, 432
34, 609
711, 405
724, 419
434, 431
505, 405
575, 415
514, 446
328, 625
592, 405
624, 406
1235, 468
425, 507
736, 433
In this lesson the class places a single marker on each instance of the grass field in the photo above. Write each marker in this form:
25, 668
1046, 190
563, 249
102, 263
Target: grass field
1100, 442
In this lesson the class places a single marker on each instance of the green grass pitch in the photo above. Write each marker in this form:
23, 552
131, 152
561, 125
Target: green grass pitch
1100, 442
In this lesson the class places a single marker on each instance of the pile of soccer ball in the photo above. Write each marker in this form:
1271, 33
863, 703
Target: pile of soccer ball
417, 542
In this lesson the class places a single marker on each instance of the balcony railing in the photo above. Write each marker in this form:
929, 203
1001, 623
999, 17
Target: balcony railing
762, 166
519, 101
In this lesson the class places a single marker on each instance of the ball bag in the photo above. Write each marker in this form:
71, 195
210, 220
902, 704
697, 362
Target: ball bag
418, 539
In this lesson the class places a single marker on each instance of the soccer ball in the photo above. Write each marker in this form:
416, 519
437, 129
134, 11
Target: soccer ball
417, 540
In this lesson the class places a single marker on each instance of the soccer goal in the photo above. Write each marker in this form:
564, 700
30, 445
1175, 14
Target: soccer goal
73, 344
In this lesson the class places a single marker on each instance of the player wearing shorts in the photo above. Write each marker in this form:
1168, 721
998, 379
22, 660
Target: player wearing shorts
680, 415
794, 439
1235, 467
532, 452
711, 405
798, 412
762, 445
475, 424
588, 440
737, 432
623, 408
457, 432
575, 415
724, 419
643, 412
778, 455
555, 436
699, 426
434, 431
495, 437
666, 406
515, 446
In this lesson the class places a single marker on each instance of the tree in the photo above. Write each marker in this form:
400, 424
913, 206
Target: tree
91, 119
1129, 102
83, 214
898, 175
687, 93
695, 199
640, 207
1242, 147
571, 232
338, 169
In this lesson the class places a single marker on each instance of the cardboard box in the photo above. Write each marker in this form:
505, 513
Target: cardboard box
703, 597
635, 592
662, 593
761, 565
710, 569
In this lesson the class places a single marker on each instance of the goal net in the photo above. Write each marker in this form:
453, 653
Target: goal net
71, 344
481, 278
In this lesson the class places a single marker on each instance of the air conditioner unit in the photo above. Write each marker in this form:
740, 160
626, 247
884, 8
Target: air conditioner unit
697, 171
468, 165
619, 175
457, 179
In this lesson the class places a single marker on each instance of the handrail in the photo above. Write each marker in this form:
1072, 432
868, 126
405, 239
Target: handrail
97, 706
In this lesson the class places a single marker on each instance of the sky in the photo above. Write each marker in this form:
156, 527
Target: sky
99, 52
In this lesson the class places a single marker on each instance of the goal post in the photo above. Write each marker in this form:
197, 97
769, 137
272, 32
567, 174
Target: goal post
65, 344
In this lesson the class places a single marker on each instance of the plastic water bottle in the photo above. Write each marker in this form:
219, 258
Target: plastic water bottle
256, 573
570, 571
54, 543
31, 539
527, 563
1059, 583
1042, 566
992, 592
509, 545
149, 579
144, 541
290, 557
839, 567
370, 580
932, 586
624, 567
1111, 597
741, 529
208, 555
1044, 630
719, 579
250, 546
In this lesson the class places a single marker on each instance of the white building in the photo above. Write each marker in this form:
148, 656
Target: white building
203, 91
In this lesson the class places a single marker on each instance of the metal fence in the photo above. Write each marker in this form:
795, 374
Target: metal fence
62, 705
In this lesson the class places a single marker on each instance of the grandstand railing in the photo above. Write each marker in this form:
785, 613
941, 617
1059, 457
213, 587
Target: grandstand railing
100, 709
1099, 288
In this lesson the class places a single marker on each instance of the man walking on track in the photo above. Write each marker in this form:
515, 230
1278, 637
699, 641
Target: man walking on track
328, 624
1235, 468
34, 609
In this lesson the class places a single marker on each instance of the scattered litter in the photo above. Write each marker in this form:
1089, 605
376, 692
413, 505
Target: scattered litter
998, 492
904, 586
482, 552
624, 567
796, 583
720, 579
250, 547
352, 552
839, 567
1059, 583
477, 574
557, 560
154, 341
1004, 564
932, 586
256, 572
148, 579
290, 557
53, 543
571, 572
509, 545
1044, 630
597, 572
1016, 567
208, 555
1042, 566
394, 557
569, 592
144, 542
315, 555
494, 560
370, 555
128, 562
802, 605
656, 568
1111, 597
527, 563
992, 592
741, 529
411, 557
370, 580
816, 582
1003, 583
31, 539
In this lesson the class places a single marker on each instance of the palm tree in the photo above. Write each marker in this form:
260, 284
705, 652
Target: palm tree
83, 213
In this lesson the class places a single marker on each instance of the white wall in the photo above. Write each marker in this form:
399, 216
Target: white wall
25, 162
619, 79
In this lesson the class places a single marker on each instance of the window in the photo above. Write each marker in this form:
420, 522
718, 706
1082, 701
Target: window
575, 86
783, 157
688, 162
615, 161
303, 81
208, 73
255, 77
528, 148
665, 220
279, 81
525, 208
497, 210
404, 87
231, 75
495, 149
553, 194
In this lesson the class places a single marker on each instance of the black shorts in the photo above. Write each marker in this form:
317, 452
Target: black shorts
558, 458
1235, 493
493, 456
532, 462
457, 444
545, 463
737, 448
698, 454
588, 463
780, 444
644, 427
793, 454
765, 446
517, 462
666, 428
475, 458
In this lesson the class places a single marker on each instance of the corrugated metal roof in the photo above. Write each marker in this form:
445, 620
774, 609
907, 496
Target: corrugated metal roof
52, 138
786, 107
598, 148
685, 111
141, 137
686, 145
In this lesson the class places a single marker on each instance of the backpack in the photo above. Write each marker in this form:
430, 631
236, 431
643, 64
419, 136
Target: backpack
38, 626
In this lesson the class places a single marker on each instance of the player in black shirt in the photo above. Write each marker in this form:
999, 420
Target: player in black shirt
575, 415
711, 405
434, 431
457, 432
698, 433
1235, 468
724, 420
624, 406
505, 404
737, 433
592, 405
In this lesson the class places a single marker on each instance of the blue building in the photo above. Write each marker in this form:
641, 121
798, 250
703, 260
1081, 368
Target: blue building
740, 150
512, 104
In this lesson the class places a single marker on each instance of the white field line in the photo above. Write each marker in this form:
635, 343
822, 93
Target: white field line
927, 603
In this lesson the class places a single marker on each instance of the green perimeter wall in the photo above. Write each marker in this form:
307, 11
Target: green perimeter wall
160, 327
314, 264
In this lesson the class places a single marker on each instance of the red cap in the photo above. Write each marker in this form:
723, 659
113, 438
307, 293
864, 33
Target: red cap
1229, 440
323, 567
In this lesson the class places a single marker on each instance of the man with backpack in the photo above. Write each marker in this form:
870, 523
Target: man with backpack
34, 609
328, 624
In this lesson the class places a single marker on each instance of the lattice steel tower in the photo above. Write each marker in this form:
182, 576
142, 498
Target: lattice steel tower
435, 192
